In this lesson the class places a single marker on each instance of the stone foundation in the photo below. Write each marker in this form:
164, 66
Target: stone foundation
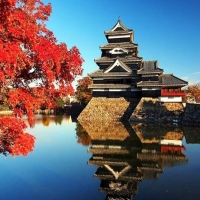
151, 110
192, 114
145, 110
108, 109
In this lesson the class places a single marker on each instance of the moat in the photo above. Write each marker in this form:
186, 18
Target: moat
113, 161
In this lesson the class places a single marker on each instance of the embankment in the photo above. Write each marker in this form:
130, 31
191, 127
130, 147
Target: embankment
145, 110
108, 109
153, 111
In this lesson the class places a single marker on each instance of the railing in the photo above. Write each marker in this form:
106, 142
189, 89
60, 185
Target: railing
172, 94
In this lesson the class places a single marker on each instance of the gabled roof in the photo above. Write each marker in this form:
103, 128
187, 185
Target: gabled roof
119, 27
118, 63
120, 30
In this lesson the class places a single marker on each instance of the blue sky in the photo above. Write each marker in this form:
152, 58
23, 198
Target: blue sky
165, 30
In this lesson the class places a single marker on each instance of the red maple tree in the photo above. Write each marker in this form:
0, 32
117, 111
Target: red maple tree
13, 139
30, 54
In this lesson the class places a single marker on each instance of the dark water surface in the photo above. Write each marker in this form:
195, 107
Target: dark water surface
96, 162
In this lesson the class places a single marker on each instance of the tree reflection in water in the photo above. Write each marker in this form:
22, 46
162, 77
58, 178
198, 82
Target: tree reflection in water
15, 143
46, 120
125, 155
83, 136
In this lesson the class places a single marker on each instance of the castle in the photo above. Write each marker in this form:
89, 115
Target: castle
122, 73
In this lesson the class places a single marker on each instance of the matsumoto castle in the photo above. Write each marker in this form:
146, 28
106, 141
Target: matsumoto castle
122, 73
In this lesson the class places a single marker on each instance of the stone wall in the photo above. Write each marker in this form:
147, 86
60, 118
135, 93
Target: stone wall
106, 109
151, 110
145, 110
192, 114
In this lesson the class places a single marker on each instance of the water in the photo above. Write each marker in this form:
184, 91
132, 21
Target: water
67, 163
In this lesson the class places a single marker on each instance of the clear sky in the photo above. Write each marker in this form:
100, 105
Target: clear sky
165, 30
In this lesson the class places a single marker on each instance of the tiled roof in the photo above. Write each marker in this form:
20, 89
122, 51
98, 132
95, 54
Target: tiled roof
125, 45
96, 73
165, 80
119, 28
170, 79
150, 67
111, 86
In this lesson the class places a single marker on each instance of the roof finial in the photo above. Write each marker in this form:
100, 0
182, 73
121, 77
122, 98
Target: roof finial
119, 18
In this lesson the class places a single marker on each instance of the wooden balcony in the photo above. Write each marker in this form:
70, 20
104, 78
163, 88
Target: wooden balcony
172, 94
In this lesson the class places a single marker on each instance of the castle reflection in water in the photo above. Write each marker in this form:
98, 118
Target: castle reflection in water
126, 154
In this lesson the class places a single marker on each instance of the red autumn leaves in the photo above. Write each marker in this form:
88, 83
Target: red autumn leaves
13, 140
35, 70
